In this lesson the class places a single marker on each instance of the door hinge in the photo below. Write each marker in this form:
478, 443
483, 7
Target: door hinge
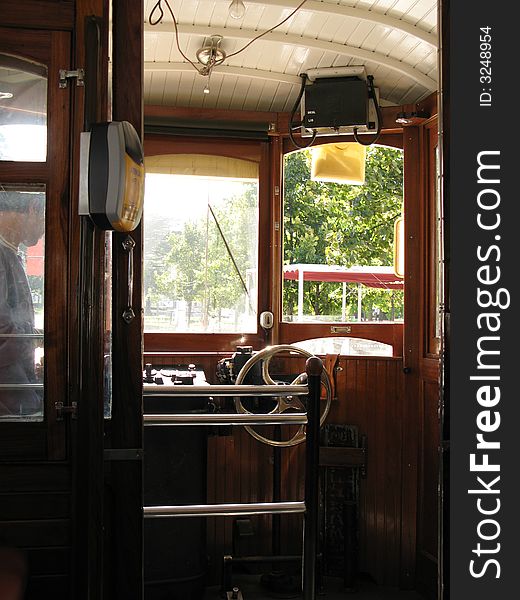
78, 74
62, 410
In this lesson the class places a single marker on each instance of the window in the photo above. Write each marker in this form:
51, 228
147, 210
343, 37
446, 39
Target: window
201, 245
338, 242
22, 225
23, 110
433, 231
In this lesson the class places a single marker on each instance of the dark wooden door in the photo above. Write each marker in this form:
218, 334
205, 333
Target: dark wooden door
35, 476
34, 135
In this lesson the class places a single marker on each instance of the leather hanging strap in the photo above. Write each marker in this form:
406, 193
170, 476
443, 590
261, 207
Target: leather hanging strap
330, 365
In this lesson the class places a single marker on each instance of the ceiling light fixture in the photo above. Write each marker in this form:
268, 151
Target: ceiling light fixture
237, 9
211, 54
5, 95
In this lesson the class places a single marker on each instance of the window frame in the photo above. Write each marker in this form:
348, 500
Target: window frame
46, 439
431, 222
289, 333
255, 151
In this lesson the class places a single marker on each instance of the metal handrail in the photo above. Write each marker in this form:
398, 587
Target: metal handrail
200, 419
225, 390
309, 508
33, 336
21, 386
224, 510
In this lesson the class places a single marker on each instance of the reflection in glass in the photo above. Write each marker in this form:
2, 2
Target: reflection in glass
23, 110
22, 225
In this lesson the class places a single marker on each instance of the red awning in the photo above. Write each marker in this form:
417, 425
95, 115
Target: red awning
374, 277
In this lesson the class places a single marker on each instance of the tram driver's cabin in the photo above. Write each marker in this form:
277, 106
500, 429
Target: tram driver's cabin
221, 299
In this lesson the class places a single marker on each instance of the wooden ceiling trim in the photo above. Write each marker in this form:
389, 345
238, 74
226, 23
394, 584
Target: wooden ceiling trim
157, 67
279, 120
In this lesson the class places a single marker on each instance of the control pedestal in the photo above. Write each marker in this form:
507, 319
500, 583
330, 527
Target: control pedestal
175, 472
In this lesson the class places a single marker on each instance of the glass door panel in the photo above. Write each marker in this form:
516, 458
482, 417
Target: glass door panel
23, 110
22, 259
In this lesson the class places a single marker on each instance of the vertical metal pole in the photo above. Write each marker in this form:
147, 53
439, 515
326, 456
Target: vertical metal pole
300, 293
344, 301
277, 494
314, 368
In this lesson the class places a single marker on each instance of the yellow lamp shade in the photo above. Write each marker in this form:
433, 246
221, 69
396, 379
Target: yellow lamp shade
339, 163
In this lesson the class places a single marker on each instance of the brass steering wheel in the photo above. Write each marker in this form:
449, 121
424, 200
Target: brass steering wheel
284, 403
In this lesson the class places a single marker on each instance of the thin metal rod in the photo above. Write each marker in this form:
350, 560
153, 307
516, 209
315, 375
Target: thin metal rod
267, 559
32, 336
314, 368
21, 386
277, 495
225, 390
223, 510
226, 419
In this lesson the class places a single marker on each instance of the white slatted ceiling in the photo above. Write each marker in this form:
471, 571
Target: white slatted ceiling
229, 90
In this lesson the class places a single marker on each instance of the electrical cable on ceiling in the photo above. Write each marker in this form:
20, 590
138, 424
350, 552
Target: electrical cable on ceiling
372, 96
152, 22
158, 7
269, 30
293, 112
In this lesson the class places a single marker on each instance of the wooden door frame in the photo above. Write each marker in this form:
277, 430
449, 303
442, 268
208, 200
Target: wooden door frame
86, 283
256, 151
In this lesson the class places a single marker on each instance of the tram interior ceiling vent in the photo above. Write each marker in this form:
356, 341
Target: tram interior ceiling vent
338, 101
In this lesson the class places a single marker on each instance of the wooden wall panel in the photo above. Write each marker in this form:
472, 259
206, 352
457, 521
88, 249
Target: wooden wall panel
35, 515
428, 469
370, 396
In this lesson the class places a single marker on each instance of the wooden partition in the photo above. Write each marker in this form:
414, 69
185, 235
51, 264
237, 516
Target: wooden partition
35, 509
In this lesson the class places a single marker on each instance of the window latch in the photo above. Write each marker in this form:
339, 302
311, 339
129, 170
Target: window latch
62, 410
78, 75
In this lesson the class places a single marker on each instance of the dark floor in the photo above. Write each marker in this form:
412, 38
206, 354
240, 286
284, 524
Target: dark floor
251, 589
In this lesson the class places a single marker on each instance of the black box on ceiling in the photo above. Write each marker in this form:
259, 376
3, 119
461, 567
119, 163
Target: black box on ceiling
336, 102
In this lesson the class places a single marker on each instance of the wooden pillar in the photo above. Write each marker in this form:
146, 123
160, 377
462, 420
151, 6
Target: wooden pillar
127, 422
87, 275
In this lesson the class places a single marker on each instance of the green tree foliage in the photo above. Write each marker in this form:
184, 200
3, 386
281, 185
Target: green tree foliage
183, 275
193, 263
339, 224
